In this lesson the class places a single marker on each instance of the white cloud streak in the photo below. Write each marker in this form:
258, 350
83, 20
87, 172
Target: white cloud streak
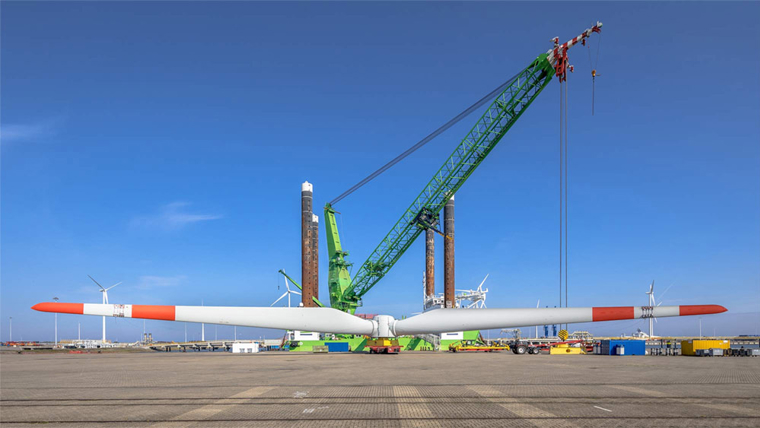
172, 217
13, 133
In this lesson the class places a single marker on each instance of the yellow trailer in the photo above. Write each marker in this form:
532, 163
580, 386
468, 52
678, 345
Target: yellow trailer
565, 349
690, 347
475, 347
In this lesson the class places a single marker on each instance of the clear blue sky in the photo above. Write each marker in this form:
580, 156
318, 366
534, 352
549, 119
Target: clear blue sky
164, 145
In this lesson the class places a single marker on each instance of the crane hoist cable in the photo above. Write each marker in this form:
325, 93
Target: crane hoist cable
563, 180
427, 139
593, 67
566, 204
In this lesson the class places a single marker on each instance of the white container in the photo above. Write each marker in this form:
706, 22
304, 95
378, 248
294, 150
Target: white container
245, 348
620, 350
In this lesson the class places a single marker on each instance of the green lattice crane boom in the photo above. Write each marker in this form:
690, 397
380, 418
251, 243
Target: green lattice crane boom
502, 113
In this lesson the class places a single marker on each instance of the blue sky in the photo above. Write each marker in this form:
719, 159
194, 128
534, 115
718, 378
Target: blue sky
164, 144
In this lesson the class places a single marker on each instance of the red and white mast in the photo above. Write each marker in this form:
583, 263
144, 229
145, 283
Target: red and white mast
558, 56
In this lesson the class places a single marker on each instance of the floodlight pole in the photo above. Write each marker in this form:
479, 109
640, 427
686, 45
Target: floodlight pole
55, 299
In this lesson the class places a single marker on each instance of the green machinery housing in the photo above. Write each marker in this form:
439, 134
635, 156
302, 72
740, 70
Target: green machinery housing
346, 293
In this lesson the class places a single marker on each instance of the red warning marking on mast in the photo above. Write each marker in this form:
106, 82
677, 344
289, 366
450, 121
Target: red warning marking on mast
612, 313
153, 312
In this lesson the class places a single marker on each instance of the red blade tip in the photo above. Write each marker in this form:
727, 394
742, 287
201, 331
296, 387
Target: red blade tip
61, 308
701, 309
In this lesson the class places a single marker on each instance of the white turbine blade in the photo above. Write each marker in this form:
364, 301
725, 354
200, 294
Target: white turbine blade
296, 292
444, 320
666, 290
322, 320
484, 281
651, 288
96, 282
538, 303
113, 286
283, 295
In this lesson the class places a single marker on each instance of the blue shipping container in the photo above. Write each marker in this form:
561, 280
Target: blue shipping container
631, 347
337, 346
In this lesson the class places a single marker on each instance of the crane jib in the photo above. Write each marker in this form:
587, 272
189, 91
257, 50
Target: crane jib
498, 118
501, 114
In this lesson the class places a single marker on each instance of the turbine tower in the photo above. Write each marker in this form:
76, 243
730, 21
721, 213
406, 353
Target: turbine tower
105, 302
652, 304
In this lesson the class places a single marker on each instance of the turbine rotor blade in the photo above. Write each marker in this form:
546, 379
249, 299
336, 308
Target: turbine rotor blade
484, 281
322, 320
113, 286
666, 290
96, 282
444, 320
283, 295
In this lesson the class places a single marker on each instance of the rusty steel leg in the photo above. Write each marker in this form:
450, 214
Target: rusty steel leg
315, 257
448, 254
429, 262
307, 195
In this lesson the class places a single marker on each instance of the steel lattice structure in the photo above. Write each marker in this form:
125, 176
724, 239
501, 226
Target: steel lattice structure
501, 114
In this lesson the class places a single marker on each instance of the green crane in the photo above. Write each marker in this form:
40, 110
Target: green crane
503, 112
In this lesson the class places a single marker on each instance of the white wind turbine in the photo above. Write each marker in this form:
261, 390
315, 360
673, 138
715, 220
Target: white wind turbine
651, 304
105, 301
287, 293
477, 297
483, 292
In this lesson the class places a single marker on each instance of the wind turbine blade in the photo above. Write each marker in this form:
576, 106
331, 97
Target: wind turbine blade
538, 303
113, 286
96, 282
284, 294
295, 292
443, 320
666, 290
484, 281
322, 320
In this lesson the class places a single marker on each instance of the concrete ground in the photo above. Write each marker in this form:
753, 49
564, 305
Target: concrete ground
348, 390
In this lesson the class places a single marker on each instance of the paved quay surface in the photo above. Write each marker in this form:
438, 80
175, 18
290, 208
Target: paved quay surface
346, 390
